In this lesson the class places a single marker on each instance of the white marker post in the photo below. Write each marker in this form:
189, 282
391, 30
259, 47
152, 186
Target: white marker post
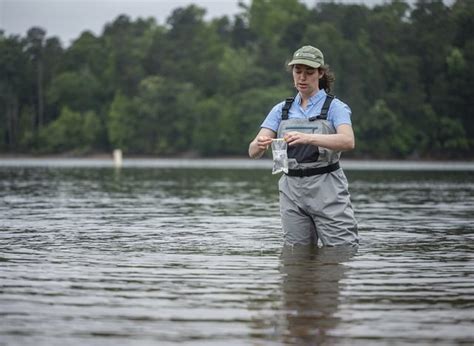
117, 158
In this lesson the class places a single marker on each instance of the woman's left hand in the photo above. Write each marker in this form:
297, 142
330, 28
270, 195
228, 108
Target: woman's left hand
294, 137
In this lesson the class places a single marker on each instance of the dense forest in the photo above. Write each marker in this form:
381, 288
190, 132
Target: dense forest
197, 87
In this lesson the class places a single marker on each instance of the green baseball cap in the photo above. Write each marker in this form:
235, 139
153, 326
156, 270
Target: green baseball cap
308, 55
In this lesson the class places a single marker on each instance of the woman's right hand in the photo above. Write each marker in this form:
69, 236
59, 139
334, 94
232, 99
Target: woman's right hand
264, 142
261, 142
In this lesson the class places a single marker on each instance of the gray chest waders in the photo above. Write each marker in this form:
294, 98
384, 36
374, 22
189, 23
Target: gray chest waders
314, 197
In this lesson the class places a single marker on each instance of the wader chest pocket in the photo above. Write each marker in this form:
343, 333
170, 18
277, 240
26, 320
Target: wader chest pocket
307, 129
303, 153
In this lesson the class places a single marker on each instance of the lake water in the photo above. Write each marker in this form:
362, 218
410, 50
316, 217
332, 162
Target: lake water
171, 252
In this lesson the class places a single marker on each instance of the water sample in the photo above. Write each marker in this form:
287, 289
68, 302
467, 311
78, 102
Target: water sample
280, 157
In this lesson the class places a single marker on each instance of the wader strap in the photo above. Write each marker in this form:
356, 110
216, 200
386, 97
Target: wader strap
286, 108
326, 105
307, 172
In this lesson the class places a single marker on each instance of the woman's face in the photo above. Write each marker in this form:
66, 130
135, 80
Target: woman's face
306, 79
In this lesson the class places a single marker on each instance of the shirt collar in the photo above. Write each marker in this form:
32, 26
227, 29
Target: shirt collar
320, 95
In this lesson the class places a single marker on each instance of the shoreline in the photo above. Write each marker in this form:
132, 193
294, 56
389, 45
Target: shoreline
106, 156
107, 161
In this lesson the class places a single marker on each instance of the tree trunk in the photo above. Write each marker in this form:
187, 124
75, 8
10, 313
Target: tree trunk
40, 94
12, 122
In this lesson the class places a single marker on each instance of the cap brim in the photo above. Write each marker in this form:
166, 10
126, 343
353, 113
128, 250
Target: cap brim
304, 62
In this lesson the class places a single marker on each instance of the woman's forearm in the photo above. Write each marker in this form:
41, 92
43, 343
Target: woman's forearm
254, 151
337, 142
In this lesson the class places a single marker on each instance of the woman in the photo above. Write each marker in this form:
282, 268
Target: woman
314, 198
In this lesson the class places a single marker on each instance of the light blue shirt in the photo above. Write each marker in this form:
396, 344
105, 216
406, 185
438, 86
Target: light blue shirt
339, 113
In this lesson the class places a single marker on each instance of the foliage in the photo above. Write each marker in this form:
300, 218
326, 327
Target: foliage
200, 87
71, 132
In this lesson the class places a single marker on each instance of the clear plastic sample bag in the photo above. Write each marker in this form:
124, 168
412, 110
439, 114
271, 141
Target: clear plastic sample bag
280, 157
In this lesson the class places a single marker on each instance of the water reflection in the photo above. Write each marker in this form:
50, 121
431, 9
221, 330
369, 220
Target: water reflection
311, 288
161, 255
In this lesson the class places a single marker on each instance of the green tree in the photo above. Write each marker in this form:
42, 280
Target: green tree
87, 52
458, 94
157, 121
202, 87
432, 32
127, 44
120, 122
193, 50
14, 67
80, 91
381, 133
35, 42
213, 128
72, 132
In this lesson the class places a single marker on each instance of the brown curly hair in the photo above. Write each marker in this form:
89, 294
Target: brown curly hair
327, 80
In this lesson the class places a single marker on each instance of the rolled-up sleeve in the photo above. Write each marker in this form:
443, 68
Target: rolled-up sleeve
339, 113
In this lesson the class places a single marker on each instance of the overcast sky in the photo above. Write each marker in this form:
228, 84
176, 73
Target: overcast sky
67, 19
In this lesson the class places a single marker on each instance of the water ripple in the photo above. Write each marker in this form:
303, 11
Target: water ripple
92, 255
